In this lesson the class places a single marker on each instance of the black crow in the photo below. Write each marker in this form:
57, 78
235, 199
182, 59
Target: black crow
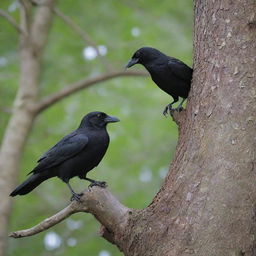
74, 155
170, 74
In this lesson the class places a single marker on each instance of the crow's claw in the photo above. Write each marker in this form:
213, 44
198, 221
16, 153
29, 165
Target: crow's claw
165, 112
179, 108
101, 184
167, 109
76, 197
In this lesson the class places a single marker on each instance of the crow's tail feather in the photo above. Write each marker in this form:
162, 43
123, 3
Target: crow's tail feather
29, 184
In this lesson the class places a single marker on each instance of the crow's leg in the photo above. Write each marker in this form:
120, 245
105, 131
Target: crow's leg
75, 196
102, 184
168, 108
179, 108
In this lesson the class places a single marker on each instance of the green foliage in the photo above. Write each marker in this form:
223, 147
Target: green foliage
142, 144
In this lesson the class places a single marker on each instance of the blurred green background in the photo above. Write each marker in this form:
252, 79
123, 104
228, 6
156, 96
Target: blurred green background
142, 144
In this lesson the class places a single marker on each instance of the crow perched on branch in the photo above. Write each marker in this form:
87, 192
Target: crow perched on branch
75, 155
170, 74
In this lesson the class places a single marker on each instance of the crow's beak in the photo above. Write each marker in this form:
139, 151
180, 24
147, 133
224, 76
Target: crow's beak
132, 62
111, 119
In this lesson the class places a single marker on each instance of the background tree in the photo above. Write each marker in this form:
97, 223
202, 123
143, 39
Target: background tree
62, 54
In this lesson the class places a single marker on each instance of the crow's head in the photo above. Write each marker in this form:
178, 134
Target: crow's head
97, 119
144, 56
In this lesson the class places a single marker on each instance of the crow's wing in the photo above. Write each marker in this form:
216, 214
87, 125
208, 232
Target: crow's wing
68, 147
180, 69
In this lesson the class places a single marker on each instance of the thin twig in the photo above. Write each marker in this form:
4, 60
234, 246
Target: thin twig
47, 223
79, 85
83, 34
12, 21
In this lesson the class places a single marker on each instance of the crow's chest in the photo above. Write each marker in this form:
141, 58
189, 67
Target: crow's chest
163, 78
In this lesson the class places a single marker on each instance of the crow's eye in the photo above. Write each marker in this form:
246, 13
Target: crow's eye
137, 55
101, 115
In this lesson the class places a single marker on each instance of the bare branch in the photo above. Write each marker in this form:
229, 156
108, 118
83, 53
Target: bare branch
41, 25
25, 15
12, 21
83, 34
97, 201
178, 117
47, 223
79, 85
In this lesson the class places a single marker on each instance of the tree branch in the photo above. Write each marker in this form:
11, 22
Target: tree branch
97, 201
79, 85
178, 117
25, 15
82, 33
47, 223
12, 21
41, 25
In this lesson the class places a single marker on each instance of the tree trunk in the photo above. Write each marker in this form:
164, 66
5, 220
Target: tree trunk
207, 203
32, 42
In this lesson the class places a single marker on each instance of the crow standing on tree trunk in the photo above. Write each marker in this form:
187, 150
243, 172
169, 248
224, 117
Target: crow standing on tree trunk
170, 74
74, 155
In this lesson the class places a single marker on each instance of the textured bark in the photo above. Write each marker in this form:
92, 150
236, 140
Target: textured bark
207, 203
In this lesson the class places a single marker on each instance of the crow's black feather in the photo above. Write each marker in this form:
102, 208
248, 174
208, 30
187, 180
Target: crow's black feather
75, 155
170, 74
